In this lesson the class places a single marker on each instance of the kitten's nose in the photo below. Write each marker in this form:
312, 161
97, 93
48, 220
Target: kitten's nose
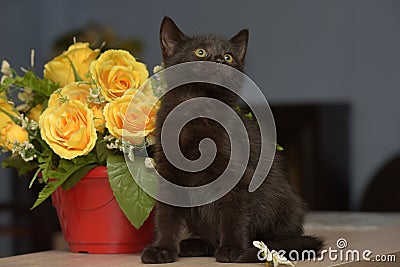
219, 60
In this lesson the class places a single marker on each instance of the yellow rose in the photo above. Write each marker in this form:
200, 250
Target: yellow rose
79, 91
151, 120
60, 69
4, 109
116, 71
12, 133
3, 97
130, 117
35, 112
98, 118
72, 91
145, 95
68, 129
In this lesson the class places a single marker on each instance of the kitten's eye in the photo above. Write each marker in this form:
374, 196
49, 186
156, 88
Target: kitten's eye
200, 52
228, 58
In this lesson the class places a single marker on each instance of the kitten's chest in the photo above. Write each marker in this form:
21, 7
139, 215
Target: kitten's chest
203, 222
199, 129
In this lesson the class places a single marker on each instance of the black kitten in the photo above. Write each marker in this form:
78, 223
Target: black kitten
225, 228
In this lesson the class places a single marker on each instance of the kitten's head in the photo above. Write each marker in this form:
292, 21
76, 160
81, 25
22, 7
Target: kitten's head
178, 48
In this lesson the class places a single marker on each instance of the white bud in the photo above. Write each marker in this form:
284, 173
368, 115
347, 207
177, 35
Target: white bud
6, 68
157, 68
149, 163
32, 58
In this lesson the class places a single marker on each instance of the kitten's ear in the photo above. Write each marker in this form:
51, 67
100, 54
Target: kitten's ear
170, 37
240, 42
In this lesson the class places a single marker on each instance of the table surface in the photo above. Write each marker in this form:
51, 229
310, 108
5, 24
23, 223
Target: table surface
377, 232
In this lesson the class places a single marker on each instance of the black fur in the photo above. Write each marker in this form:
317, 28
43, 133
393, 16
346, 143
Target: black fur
225, 228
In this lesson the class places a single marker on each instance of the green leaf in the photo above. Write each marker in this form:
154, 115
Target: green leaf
238, 109
249, 115
76, 74
19, 164
11, 116
77, 176
34, 177
279, 147
6, 83
102, 151
65, 170
133, 201
42, 86
46, 163
49, 189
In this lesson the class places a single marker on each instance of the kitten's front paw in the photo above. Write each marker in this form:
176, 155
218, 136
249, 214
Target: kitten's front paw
158, 255
228, 254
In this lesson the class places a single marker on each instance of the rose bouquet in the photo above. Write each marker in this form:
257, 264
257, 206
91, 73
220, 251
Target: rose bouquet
74, 119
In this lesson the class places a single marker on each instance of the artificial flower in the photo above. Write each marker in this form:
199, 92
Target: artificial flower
98, 118
11, 134
151, 108
6, 110
131, 116
72, 91
81, 92
35, 112
271, 257
142, 94
74, 118
157, 68
116, 71
5, 70
68, 129
61, 68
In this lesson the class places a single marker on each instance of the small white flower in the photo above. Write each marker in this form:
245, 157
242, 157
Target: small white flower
3, 79
131, 153
25, 123
26, 159
94, 92
26, 95
149, 163
34, 125
108, 137
26, 150
150, 140
113, 142
14, 149
270, 256
110, 146
95, 96
28, 145
6, 68
157, 68
22, 107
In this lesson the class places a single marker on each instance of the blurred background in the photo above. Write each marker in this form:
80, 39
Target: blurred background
329, 69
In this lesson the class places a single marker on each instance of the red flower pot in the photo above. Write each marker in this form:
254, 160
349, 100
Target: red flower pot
92, 221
